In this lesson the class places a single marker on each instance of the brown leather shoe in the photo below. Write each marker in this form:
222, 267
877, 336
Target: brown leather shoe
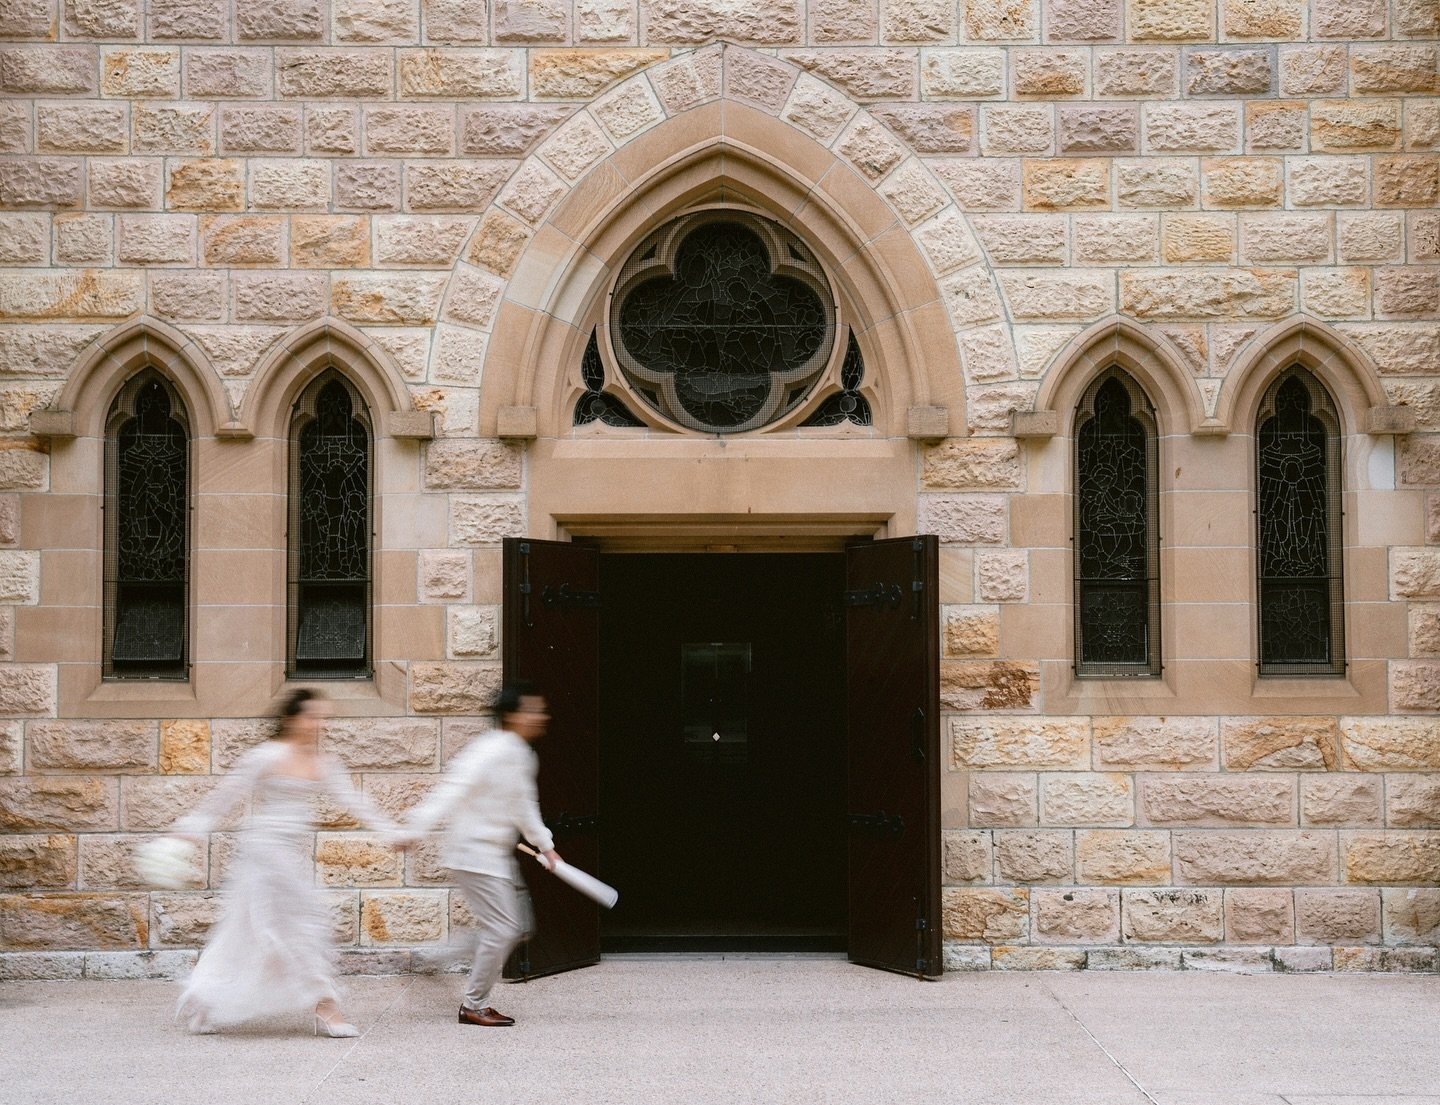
487, 1017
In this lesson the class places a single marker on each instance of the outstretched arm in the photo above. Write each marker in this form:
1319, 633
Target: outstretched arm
337, 783
228, 793
464, 771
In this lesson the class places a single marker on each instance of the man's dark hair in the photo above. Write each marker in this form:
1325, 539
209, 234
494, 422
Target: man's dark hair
508, 700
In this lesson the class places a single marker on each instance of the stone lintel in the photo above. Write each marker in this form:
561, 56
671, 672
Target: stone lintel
417, 425
517, 422
927, 423
1037, 424
1389, 420
234, 431
52, 423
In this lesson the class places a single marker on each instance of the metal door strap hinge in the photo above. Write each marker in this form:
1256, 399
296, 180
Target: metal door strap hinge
881, 594
563, 596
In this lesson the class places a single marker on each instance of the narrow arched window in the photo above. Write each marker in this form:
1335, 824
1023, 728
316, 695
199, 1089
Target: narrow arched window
1297, 529
330, 621
147, 533
1117, 533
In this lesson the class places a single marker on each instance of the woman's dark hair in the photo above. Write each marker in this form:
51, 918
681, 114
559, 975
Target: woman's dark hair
508, 700
292, 704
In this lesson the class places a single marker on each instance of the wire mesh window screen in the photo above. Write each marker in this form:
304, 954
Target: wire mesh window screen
146, 621
1298, 512
722, 321
598, 405
1117, 531
329, 563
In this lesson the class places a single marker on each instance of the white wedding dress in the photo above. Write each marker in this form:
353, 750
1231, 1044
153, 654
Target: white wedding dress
271, 952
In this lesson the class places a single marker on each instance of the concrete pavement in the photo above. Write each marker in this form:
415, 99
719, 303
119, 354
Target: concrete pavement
733, 1030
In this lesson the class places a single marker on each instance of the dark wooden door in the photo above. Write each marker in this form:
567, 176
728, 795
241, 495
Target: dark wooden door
552, 639
892, 656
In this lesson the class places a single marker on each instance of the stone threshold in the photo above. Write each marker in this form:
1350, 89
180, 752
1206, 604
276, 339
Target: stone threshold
173, 964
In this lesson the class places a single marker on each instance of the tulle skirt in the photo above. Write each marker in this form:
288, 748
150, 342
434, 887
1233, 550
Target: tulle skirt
271, 952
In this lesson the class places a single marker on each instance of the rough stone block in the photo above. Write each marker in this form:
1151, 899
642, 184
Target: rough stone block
108, 863
1347, 18
1199, 238
156, 239
280, 20
1411, 181
393, 21
1170, 20
1034, 856
206, 186
1225, 800
227, 73
1280, 743
1259, 916
1223, 294
1110, 239
971, 630
998, 799
329, 241
453, 688
981, 915
1262, 857
23, 467
1037, 959
964, 519
38, 862
1137, 73
413, 917
971, 465
59, 921
1340, 800
1085, 799
1276, 125
40, 804
140, 72
1415, 684
968, 857
48, 70
1078, 294
275, 297
454, 185
968, 74
1003, 576
1327, 181
1243, 181
1337, 916
1083, 20
867, 74
260, 130
1172, 916
988, 685
1296, 960
187, 295
368, 186
1354, 125
1018, 128
1115, 856
1411, 915
473, 632
1080, 916
1155, 182
357, 859
1098, 129
40, 182
173, 128
86, 128
84, 239
1192, 127
1000, 20
12, 747
318, 74
1227, 72
153, 803
1277, 19
92, 745
981, 185
383, 744
1050, 73
1000, 742
242, 240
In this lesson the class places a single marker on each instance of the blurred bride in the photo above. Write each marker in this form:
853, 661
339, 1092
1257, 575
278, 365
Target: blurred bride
271, 952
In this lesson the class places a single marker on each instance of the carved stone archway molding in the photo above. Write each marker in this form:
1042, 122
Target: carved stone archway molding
1344, 367
80, 408
725, 124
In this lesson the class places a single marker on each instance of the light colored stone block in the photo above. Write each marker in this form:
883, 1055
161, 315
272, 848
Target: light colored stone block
1172, 916
982, 915
1079, 916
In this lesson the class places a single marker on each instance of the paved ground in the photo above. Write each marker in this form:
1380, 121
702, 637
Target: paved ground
701, 1031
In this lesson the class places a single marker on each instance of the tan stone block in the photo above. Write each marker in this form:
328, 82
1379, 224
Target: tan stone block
1199, 238
383, 744
1339, 800
1082, 20
33, 922
1407, 291
582, 74
48, 70
12, 747
1022, 239
92, 745
1018, 128
867, 74
1347, 18
140, 71
1034, 856
966, 74
332, 130
1223, 800
1192, 127
964, 519
975, 914
962, 464
1337, 916
1085, 799
23, 468
1227, 72
260, 130
604, 21
1172, 916
1410, 67
84, 239
242, 240
1020, 742
87, 128
1137, 73
184, 747
308, 73
1000, 20
473, 632
1110, 239
182, 920
1225, 294
357, 859
1078, 294
153, 803
452, 687
173, 129
1336, 293
1170, 20
1155, 182
530, 20
929, 128
1425, 629
1066, 184
206, 186
1259, 916
1346, 125
1050, 73
1242, 181
40, 182
1412, 801
1280, 743
283, 20
156, 239
108, 863
1115, 856
1278, 19
1099, 129
224, 73
374, 21
232, 738
454, 185
1081, 916
971, 630
980, 185
329, 241
278, 297
289, 185
1276, 125
416, 917
967, 857
1415, 684
38, 862
988, 685
1411, 916
498, 243
1001, 799
917, 21
124, 183
1273, 856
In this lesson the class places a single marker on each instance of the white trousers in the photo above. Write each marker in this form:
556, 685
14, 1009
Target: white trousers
502, 911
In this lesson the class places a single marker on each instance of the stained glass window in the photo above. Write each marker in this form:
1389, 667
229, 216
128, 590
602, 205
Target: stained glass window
330, 533
147, 532
1297, 542
849, 405
1117, 537
722, 321
596, 405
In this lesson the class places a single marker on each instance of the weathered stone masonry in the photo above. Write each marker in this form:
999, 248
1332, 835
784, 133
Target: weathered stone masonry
1203, 191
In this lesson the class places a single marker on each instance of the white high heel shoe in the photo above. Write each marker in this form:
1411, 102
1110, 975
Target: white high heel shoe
336, 1030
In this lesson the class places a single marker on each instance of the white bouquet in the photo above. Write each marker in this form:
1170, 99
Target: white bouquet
167, 862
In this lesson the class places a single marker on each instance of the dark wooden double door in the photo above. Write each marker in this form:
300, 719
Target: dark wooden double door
860, 847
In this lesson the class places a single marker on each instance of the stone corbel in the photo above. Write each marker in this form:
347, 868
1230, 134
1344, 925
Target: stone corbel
518, 423
927, 423
415, 425
1034, 424
1390, 420
53, 424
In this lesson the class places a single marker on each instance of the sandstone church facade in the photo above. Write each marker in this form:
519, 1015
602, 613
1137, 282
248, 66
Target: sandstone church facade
987, 451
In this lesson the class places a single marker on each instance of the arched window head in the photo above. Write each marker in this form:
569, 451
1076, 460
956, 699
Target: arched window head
329, 563
1297, 529
1117, 533
147, 532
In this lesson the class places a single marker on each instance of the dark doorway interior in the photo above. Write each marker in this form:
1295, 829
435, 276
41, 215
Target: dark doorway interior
722, 751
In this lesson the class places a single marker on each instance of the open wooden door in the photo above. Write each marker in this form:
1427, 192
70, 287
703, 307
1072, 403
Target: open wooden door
892, 650
552, 639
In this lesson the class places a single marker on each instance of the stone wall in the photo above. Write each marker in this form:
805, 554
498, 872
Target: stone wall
387, 185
